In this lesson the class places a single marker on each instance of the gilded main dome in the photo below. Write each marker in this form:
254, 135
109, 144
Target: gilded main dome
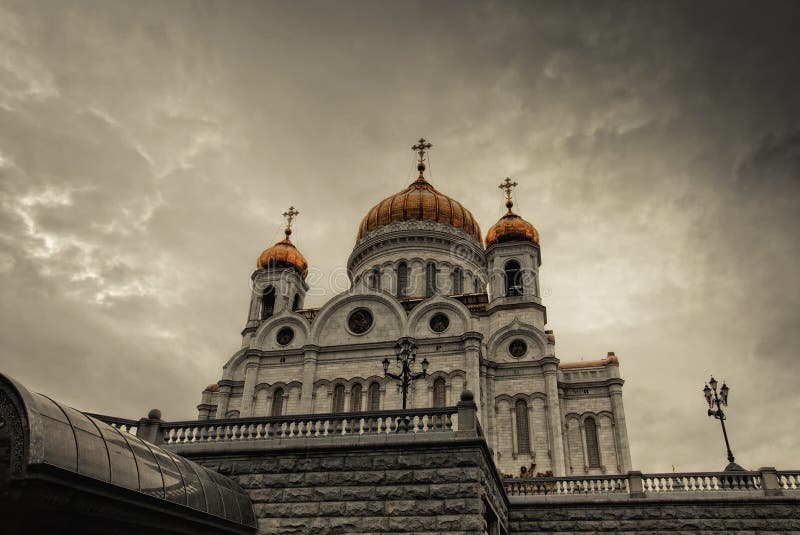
283, 255
420, 201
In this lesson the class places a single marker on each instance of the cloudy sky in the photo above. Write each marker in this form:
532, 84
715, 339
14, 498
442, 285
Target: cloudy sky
148, 149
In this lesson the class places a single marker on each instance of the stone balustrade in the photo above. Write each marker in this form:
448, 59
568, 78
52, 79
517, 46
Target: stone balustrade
307, 426
536, 486
300, 426
765, 481
701, 481
123, 424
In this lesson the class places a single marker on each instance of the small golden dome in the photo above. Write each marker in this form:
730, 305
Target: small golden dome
283, 255
420, 201
213, 387
511, 227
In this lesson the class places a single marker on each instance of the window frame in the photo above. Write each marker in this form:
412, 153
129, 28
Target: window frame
523, 427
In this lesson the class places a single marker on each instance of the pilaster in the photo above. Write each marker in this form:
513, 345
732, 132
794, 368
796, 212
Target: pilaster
223, 396
620, 427
472, 355
249, 390
309, 376
550, 370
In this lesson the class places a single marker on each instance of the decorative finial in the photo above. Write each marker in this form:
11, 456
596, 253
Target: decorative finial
290, 214
508, 185
421, 148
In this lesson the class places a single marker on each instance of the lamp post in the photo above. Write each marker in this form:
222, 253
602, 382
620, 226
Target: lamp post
406, 352
715, 402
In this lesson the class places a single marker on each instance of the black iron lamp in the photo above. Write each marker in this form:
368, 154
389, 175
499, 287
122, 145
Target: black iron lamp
716, 400
406, 351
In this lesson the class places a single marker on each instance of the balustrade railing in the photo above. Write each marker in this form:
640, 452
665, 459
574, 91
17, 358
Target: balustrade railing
312, 425
539, 486
789, 479
123, 424
701, 482
635, 484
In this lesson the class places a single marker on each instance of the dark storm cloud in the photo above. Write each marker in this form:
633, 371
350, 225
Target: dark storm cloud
148, 149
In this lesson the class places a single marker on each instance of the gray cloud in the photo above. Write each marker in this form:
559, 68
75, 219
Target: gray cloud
148, 149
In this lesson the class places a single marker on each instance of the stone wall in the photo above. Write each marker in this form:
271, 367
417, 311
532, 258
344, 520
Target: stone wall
740, 516
410, 484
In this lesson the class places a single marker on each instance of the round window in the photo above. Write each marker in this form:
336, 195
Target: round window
285, 336
360, 321
439, 323
517, 348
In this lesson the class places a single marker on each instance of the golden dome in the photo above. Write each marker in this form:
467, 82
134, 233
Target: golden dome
420, 201
511, 227
283, 255
213, 387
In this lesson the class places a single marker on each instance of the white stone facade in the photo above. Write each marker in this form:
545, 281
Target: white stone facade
568, 419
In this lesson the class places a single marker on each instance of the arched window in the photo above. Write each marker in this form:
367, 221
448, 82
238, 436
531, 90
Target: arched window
513, 278
458, 281
439, 399
374, 397
338, 398
355, 398
476, 283
430, 279
375, 279
402, 279
277, 402
592, 447
523, 427
296, 302
268, 302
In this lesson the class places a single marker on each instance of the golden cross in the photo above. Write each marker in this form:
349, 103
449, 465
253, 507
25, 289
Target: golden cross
508, 186
290, 214
420, 148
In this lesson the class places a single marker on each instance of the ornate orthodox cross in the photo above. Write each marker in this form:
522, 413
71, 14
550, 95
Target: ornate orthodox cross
421, 148
290, 214
507, 185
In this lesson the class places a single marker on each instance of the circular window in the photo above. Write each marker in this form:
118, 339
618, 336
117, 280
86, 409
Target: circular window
285, 336
517, 348
360, 321
439, 323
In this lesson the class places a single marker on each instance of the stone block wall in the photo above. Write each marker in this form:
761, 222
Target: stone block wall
421, 487
739, 516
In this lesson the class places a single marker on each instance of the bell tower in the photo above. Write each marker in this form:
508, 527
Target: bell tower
278, 283
513, 256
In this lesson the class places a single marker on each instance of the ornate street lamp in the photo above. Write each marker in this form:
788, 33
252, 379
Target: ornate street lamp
715, 402
406, 351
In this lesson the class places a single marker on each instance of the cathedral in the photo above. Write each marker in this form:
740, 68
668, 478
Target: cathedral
469, 306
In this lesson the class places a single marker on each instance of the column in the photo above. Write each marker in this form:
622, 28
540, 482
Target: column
620, 427
531, 431
565, 433
583, 447
549, 436
472, 352
309, 376
512, 415
484, 397
249, 390
554, 420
